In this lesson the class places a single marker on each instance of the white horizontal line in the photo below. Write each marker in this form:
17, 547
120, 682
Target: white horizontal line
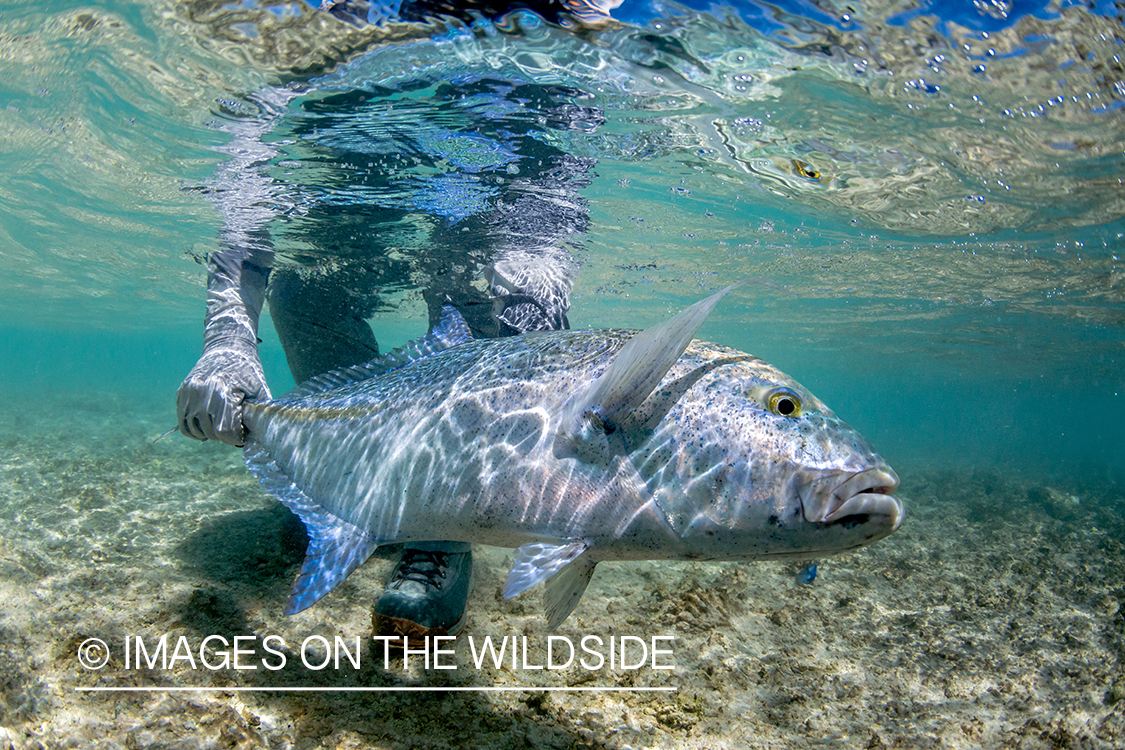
403, 689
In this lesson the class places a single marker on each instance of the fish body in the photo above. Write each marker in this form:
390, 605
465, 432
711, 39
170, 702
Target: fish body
574, 446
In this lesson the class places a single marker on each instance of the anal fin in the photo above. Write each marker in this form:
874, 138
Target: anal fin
564, 567
564, 591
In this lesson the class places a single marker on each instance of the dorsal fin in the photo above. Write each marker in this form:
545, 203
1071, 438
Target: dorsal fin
450, 331
639, 367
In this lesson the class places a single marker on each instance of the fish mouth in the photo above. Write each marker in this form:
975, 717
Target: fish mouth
860, 498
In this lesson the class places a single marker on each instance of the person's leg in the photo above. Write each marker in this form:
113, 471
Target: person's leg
531, 270
320, 321
508, 270
516, 277
427, 593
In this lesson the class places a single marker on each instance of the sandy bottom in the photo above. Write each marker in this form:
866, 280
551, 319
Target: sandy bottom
992, 619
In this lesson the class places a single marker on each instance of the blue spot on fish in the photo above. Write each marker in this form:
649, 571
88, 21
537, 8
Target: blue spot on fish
807, 574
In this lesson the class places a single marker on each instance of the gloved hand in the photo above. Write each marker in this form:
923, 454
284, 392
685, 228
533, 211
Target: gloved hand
531, 288
209, 402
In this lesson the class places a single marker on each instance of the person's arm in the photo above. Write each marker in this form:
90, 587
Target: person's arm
209, 401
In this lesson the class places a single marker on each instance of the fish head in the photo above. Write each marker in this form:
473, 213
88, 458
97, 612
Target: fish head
767, 471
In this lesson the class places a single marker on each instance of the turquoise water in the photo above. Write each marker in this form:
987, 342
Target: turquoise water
951, 281
930, 198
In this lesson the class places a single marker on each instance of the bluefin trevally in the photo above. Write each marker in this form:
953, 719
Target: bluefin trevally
575, 447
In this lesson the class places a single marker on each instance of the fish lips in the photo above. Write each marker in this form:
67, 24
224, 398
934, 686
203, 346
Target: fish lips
855, 498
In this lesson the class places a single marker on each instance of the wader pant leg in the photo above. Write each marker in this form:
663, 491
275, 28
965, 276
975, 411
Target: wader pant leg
321, 322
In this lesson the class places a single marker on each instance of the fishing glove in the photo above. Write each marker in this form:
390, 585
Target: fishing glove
209, 401
531, 288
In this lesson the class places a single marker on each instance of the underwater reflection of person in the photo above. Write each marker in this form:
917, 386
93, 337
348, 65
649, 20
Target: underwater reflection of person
496, 250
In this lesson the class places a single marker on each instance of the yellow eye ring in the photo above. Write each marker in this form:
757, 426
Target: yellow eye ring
784, 403
804, 170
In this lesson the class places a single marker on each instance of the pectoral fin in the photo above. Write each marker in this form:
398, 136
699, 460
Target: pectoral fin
636, 370
563, 566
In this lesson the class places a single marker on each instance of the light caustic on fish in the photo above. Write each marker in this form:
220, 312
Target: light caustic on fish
574, 446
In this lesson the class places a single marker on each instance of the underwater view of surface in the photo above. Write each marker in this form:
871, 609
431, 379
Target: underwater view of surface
926, 197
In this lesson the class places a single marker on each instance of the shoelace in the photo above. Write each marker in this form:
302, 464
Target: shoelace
408, 569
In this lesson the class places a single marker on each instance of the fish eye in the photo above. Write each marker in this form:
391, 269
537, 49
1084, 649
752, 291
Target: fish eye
784, 403
804, 170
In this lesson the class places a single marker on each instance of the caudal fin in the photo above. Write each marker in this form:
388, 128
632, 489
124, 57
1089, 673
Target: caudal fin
336, 547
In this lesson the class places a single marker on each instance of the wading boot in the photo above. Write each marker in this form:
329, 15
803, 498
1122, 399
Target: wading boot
426, 593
